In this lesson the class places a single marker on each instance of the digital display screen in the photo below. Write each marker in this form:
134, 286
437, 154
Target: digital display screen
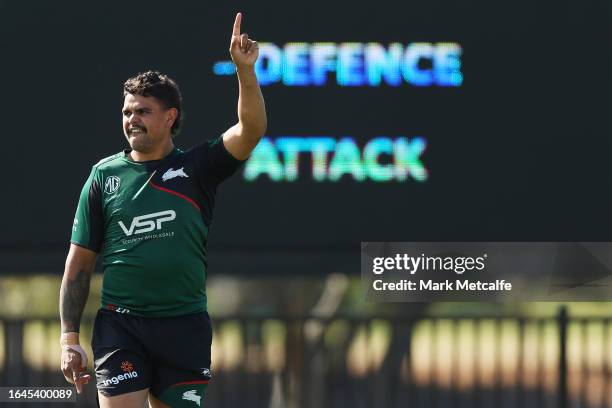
406, 122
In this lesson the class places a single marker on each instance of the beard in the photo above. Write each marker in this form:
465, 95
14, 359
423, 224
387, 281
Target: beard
141, 142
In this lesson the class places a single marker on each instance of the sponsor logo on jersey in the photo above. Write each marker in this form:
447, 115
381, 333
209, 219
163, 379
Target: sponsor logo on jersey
192, 395
128, 369
206, 373
148, 222
111, 184
171, 173
127, 366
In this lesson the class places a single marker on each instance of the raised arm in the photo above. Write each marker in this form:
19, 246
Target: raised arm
242, 138
80, 264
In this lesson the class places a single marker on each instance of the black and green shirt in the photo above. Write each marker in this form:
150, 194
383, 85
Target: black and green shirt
151, 221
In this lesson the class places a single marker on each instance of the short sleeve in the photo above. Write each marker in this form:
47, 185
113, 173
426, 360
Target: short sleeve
88, 227
215, 162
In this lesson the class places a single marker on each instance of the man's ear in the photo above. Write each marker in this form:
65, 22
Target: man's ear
171, 115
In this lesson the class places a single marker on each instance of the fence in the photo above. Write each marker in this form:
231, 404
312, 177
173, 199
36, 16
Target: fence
375, 361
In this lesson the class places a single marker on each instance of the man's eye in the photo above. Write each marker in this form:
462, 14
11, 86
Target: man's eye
126, 113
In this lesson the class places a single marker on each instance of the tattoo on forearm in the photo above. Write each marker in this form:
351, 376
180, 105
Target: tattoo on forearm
73, 296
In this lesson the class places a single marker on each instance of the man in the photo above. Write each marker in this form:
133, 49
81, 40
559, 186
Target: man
151, 207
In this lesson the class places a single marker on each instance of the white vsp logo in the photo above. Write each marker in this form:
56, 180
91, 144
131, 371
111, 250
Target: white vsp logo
148, 222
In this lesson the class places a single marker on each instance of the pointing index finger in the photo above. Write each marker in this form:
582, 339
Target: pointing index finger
236, 30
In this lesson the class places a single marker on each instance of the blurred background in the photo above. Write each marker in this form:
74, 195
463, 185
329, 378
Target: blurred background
445, 120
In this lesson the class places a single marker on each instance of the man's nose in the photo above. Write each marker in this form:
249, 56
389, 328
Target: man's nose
134, 119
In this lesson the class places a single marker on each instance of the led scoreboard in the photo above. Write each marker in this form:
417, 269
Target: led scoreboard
362, 101
387, 121
349, 64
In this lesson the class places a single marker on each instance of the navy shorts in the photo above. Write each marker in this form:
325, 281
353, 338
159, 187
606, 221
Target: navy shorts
168, 355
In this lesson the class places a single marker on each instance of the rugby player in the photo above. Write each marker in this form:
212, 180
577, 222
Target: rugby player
149, 209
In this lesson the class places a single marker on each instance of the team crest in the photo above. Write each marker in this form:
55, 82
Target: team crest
171, 173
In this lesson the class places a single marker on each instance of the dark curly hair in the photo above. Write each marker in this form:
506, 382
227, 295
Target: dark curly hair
160, 86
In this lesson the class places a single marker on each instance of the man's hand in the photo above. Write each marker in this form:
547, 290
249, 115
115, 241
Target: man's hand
244, 52
74, 361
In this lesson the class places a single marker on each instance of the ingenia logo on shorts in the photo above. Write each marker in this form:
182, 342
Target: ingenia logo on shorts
128, 368
147, 222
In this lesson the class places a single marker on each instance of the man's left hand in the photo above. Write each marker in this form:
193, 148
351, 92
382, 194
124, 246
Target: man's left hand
244, 51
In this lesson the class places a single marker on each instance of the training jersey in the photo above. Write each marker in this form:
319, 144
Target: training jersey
150, 221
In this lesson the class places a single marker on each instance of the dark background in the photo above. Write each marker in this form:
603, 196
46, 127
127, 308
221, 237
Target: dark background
519, 152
